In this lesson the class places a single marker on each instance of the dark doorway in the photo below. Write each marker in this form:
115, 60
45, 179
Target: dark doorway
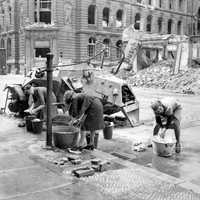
41, 52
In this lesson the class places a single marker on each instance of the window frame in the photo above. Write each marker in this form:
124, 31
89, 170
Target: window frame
137, 21
171, 23
40, 11
160, 24
91, 47
9, 48
107, 46
149, 23
119, 48
121, 18
93, 15
106, 17
179, 27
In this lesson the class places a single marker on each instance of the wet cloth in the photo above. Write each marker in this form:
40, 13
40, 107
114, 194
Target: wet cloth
91, 107
40, 98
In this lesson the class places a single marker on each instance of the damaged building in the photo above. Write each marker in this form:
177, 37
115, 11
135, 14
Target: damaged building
70, 29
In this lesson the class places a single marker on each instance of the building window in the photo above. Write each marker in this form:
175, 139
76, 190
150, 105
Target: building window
119, 18
170, 4
160, 3
179, 27
91, 14
43, 11
10, 14
139, 1
148, 26
149, 2
119, 48
91, 47
3, 17
198, 22
106, 15
106, 42
2, 43
137, 21
169, 26
9, 48
160, 24
180, 4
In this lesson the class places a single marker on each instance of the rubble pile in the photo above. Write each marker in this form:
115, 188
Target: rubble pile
161, 76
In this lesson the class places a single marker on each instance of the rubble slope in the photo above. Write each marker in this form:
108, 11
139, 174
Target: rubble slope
161, 76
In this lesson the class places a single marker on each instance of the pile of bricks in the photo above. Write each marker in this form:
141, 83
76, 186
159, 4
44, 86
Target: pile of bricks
161, 76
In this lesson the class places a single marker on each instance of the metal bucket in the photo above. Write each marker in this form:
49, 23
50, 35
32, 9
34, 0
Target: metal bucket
28, 120
162, 147
108, 130
65, 136
37, 125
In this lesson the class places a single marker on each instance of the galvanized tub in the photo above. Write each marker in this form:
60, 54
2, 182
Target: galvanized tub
65, 136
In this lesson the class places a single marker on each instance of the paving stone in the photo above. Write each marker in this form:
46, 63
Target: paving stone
126, 183
28, 180
14, 161
78, 191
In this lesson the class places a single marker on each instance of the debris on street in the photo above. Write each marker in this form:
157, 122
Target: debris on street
160, 75
139, 147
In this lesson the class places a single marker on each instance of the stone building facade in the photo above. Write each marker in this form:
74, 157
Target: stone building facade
71, 28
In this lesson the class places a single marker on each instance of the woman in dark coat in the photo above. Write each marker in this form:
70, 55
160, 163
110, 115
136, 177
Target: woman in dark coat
88, 111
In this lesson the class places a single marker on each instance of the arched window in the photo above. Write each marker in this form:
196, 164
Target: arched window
180, 4
119, 18
9, 47
2, 43
169, 26
119, 46
106, 16
91, 46
160, 24
149, 2
148, 26
106, 42
91, 14
137, 21
179, 27
198, 22
171, 4
3, 17
160, 3
10, 14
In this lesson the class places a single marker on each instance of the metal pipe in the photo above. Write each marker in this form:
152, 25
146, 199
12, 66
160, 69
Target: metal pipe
49, 99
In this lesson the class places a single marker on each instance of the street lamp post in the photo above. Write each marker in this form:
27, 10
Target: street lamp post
49, 99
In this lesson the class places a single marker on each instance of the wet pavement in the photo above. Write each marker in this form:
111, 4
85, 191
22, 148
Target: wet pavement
184, 165
27, 171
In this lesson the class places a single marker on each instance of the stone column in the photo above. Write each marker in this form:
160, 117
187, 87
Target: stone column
53, 47
143, 21
154, 23
28, 54
38, 10
53, 12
